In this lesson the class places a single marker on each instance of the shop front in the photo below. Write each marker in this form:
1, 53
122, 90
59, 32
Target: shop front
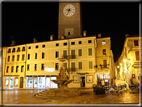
40, 82
103, 78
11, 82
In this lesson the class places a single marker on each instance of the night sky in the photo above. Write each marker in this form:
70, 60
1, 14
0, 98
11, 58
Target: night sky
26, 21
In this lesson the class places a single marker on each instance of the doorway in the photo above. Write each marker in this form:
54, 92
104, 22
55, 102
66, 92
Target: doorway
11, 82
82, 81
21, 82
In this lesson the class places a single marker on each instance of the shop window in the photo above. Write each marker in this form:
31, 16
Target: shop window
90, 65
80, 52
35, 55
23, 49
57, 44
80, 42
53, 85
16, 81
56, 66
13, 58
23, 57
17, 68
65, 44
13, 50
47, 82
42, 66
136, 43
8, 58
43, 55
28, 56
18, 57
104, 51
12, 67
57, 54
72, 43
41, 82
80, 65
22, 68
105, 63
35, 67
28, 66
89, 41
29, 82
103, 42
90, 51
43, 46
18, 50
137, 55
7, 69
9, 50
29, 47
6, 81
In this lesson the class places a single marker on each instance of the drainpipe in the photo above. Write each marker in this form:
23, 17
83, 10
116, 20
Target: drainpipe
69, 57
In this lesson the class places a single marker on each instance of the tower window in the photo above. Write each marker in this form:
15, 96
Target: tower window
68, 33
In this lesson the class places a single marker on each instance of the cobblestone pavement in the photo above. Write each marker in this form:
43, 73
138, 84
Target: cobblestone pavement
27, 97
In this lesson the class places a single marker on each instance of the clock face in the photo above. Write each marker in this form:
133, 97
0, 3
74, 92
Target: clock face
69, 10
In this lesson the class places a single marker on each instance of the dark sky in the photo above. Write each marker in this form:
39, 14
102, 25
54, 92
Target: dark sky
26, 21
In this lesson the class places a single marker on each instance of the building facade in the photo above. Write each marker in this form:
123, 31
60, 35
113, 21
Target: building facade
87, 58
127, 68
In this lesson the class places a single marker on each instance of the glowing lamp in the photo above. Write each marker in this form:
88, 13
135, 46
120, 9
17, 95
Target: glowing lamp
49, 69
125, 60
117, 66
121, 64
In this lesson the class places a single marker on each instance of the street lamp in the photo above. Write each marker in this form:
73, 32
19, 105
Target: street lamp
125, 60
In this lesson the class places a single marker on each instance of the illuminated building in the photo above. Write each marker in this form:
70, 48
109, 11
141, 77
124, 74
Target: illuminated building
87, 57
129, 62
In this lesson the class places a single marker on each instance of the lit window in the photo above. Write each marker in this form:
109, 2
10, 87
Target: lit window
136, 43
6, 81
89, 41
16, 81
104, 51
90, 51
103, 42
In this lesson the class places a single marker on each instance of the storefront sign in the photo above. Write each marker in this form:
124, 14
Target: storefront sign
49, 69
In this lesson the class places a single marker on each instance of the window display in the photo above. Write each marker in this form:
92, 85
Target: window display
53, 85
48, 82
41, 82
6, 81
16, 81
29, 82
35, 82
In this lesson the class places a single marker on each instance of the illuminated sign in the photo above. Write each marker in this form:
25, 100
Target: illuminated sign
49, 69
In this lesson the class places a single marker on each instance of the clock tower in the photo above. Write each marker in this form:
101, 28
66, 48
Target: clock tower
69, 22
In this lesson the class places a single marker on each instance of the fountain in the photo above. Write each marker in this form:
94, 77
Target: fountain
62, 90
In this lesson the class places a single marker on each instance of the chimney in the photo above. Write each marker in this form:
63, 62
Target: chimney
51, 37
13, 43
126, 35
84, 33
99, 35
35, 40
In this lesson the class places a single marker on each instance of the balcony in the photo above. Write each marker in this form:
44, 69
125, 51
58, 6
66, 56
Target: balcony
137, 64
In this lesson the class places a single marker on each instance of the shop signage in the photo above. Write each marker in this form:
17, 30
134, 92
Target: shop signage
49, 69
